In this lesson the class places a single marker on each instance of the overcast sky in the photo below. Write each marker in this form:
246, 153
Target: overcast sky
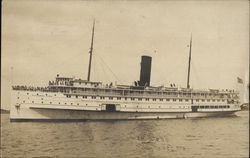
43, 38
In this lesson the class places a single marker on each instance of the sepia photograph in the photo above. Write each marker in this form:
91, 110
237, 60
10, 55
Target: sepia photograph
129, 79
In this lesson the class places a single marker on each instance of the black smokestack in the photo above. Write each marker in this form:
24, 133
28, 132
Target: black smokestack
145, 71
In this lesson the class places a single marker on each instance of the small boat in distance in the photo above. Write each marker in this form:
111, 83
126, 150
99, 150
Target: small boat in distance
71, 99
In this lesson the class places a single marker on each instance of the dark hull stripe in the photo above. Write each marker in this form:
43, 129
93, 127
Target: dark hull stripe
133, 112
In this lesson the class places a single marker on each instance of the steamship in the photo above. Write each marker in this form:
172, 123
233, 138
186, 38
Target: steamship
67, 98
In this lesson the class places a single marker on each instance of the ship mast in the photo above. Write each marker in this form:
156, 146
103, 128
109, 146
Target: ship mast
91, 51
189, 61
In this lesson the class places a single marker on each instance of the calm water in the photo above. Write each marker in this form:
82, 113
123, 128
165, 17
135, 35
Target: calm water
210, 137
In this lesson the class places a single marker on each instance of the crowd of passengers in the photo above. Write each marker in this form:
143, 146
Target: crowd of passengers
30, 88
67, 83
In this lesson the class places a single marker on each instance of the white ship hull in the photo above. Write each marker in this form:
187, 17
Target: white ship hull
74, 115
28, 106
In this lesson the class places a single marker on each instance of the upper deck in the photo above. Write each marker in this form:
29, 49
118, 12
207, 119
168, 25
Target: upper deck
71, 86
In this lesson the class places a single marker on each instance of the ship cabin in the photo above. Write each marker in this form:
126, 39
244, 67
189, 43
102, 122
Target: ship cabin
78, 88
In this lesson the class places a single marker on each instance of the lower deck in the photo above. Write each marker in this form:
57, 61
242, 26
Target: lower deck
33, 105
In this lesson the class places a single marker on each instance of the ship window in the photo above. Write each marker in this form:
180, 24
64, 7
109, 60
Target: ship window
212, 106
186, 100
132, 98
46, 94
27, 93
55, 94
32, 101
17, 97
206, 107
65, 103
202, 107
110, 98
77, 103
93, 97
208, 100
161, 99
42, 102
85, 97
167, 99
137, 106
59, 102
197, 100
224, 106
154, 99
220, 106
228, 106
118, 98
125, 98
76, 96
147, 99
215, 107
223, 100
213, 100
148, 106
202, 100
174, 99
125, 106
36, 93
71, 103
180, 100
140, 99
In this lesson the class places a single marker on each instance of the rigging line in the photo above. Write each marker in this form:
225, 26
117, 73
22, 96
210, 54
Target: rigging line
109, 69
104, 72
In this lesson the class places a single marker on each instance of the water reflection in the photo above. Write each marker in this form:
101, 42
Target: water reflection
211, 137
